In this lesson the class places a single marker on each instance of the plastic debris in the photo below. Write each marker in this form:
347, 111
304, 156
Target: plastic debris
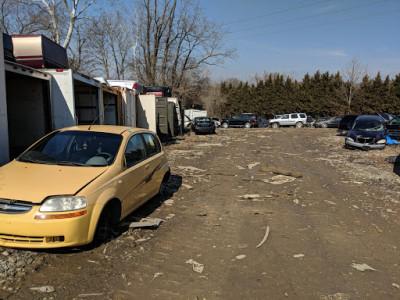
90, 295
362, 267
298, 255
250, 196
264, 238
251, 166
44, 289
240, 256
170, 216
168, 202
146, 222
158, 274
197, 267
396, 285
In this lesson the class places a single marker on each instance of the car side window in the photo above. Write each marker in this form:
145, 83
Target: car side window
293, 116
135, 151
285, 117
302, 115
151, 143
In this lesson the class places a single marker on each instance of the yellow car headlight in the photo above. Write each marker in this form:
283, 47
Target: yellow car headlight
63, 203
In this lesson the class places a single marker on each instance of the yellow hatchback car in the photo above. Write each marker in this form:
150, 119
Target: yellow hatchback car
75, 184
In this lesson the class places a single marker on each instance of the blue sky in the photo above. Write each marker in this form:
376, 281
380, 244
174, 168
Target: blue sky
295, 37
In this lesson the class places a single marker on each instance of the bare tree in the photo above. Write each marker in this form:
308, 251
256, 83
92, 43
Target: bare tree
213, 100
175, 40
22, 17
111, 44
72, 10
352, 76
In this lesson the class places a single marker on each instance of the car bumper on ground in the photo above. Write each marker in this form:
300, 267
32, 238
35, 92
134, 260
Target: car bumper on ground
204, 129
352, 144
24, 231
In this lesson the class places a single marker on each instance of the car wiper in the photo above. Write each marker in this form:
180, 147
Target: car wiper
70, 163
36, 161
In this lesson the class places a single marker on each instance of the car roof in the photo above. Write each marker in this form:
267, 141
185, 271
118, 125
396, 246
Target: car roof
369, 118
104, 128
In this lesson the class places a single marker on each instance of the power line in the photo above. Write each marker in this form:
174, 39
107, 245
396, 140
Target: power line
278, 12
315, 25
309, 17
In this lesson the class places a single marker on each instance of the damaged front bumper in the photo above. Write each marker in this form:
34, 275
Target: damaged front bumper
363, 146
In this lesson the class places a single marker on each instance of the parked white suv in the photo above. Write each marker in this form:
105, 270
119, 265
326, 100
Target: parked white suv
296, 119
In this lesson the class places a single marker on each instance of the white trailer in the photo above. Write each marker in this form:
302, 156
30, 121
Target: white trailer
190, 114
76, 99
128, 106
146, 112
25, 108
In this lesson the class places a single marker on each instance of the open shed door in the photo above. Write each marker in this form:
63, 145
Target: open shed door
28, 107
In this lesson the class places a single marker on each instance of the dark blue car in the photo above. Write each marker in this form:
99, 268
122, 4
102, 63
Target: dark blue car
367, 133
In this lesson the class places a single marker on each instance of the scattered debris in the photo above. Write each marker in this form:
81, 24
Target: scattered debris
337, 296
279, 179
396, 285
158, 274
330, 202
298, 255
146, 222
90, 295
168, 202
202, 214
93, 262
240, 256
250, 196
251, 166
190, 169
44, 289
170, 216
362, 267
186, 186
197, 267
280, 171
264, 238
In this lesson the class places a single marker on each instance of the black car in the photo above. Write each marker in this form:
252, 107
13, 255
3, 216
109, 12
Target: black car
346, 123
393, 128
245, 120
203, 125
367, 133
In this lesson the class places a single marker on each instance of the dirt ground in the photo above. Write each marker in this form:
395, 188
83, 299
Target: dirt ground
256, 214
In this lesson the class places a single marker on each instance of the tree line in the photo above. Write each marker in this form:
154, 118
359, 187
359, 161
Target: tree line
322, 94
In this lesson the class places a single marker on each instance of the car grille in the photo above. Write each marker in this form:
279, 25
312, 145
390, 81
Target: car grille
30, 239
24, 239
14, 207
365, 140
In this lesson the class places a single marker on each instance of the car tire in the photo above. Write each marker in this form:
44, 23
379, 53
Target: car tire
109, 218
224, 125
247, 125
299, 125
275, 125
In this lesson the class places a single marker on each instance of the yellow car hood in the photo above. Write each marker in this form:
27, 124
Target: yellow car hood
34, 182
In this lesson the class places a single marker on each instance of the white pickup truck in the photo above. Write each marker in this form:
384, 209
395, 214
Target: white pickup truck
297, 120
